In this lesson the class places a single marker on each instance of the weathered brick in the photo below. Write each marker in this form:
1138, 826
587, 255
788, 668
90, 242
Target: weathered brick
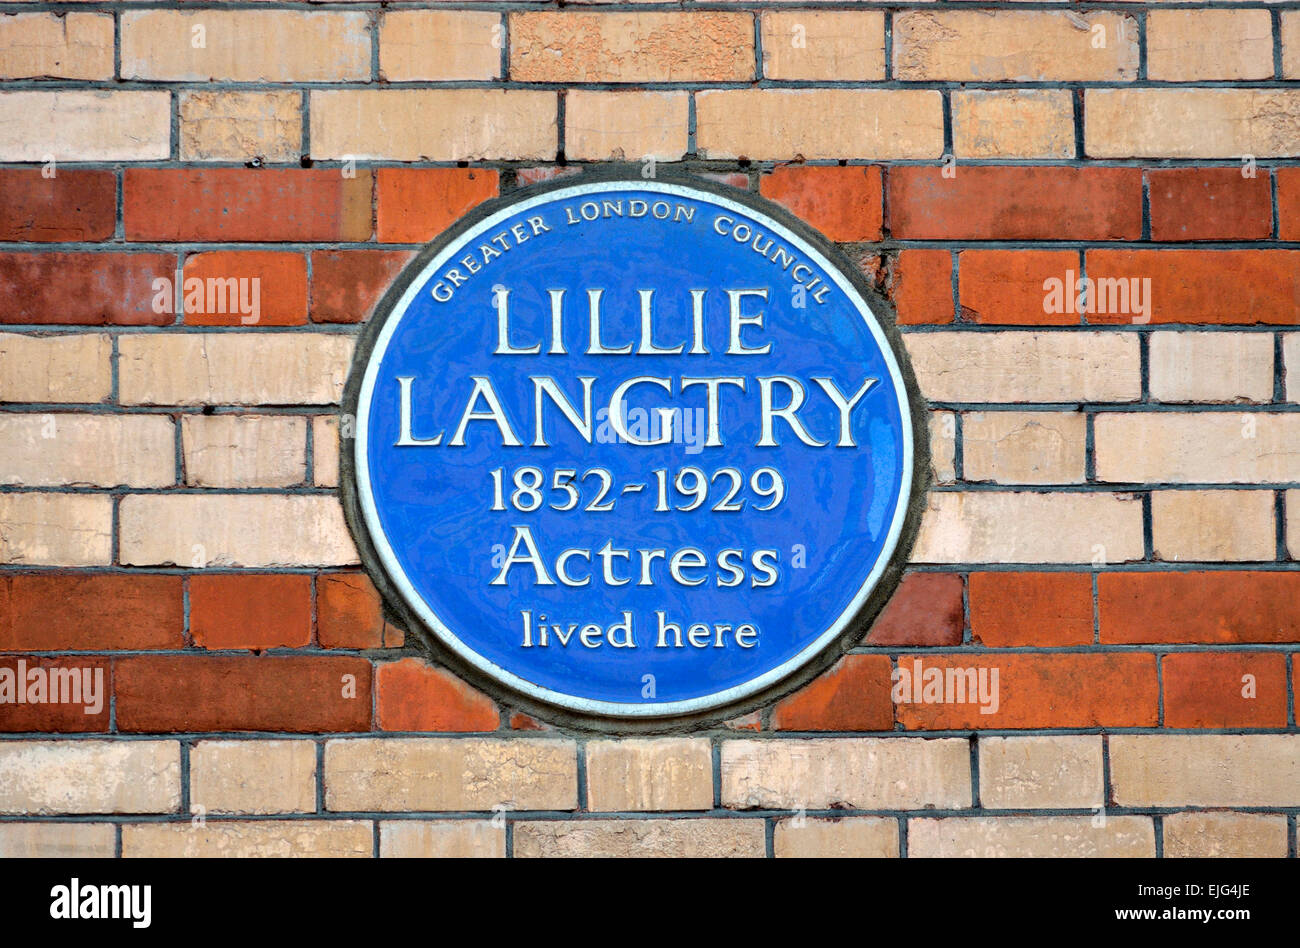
920, 284
250, 530
943, 446
1029, 527
325, 450
253, 776
1032, 836
244, 450
430, 773
72, 205
837, 45
1290, 36
57, 840
1201, 525
1209, 204
90, 776
250, 610
85, 125
692, 838
853, 695
68, 368
1007, 287
233, 368
1211, 366
1224, 689
245, 45
62, 450
1197, 447
416, 696
1062, 771
1022, 123
671, 773
625, 126
297, 694
247, 839
1033, 447
417, 204
1187, 45
1015, 203
857, 837
860, 773
1007, 45
246, 288
819, 123
45, 46
56, 611
631, 47
1031, 609
1290, 364
1225, 835
349, 613
441, 839
56, 529
241, 126
440, 45
435, 124
93, 289
1214, 606
843, 203
58, 695
1293, 523
346, 284
926, 609
1190, 123
1211, 770
238, 204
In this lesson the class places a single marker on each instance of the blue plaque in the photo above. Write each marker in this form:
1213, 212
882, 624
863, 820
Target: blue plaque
633, 453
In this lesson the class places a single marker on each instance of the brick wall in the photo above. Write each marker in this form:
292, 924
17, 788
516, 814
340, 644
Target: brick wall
1113, 527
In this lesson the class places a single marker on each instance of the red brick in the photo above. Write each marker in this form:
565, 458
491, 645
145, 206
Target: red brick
920, 284
281, 288
349, 612
209, 693
67, 611
845, 204
1207, 286
1209, 204
415, 696
523, 722
1009, 203
1005, 287
250, 610
73, 205
1210, 606
1288, 203
1205, 689
525, 177
1043, 609
346, 284
1046, 690
46, 716
85, 289
853, 695
926, 609
417, 204
239, 204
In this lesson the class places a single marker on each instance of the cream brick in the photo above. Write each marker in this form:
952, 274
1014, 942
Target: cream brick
631, 47
244, 450
325, 450
1029, 527
1200, 525
1190, 123
451, 774
1290, 44
1040, 46
1032, 836
870, 124
441, 839
252, 530
331, 839
42, 45
65, 368
859, 773
241, 126
245, 45
1027, 773
1197, 447
1031, 447
692, 839
625, 126
1211, 366
1293, 523
650, 774
853, 837
1225, 835
254, 776
822, 44
434, 124
1021, 366
85, 125
440, 44
57, 840
943, 446
1211, 770
56, 529
1023, 123
57, 450
299, 368
1187, 45
1290, 361
83, 776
